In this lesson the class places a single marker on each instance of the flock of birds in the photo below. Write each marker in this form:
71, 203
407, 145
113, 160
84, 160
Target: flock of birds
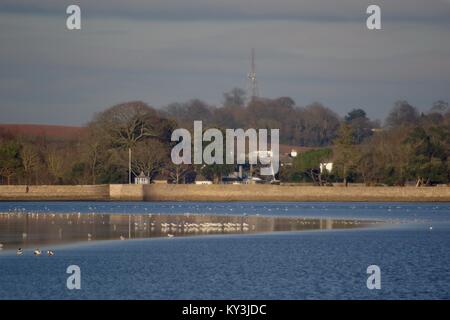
37, 252
166, 227
205, 227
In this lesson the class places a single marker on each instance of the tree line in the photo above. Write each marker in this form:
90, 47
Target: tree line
408, 147
313, 126
411, 148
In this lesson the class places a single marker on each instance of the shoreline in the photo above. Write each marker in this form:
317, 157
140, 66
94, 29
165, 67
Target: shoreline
225, 193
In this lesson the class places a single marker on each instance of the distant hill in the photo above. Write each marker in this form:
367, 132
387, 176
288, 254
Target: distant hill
37, 130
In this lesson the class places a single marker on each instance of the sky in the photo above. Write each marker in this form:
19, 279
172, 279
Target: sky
164, 51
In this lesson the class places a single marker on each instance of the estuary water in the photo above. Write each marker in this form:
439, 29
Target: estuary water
244, 251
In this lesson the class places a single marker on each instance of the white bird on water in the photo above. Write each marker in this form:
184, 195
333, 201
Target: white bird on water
37, 252
431, 228
50, 253
170, 235
19, 252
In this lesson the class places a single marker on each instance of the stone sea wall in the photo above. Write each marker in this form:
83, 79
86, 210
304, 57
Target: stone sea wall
54, 192
170, 192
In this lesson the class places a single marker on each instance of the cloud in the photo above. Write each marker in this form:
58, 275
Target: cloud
238, 9
49, 74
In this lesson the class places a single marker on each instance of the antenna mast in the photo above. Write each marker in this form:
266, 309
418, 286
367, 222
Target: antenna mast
252, 86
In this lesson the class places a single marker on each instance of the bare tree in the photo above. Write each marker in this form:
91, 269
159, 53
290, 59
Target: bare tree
150, 157
402, 114
346, 155
55, 160
128, 123
178, 172
30, 160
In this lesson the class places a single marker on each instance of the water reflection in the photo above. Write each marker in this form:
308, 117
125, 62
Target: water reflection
33, 229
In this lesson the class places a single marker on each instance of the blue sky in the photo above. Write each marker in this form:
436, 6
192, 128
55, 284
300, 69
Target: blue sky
174, 50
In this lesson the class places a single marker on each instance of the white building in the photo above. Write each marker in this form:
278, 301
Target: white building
293, 153
200, 179
326, 166
142, 179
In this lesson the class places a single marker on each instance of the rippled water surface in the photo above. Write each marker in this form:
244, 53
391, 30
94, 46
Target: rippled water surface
315, 262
